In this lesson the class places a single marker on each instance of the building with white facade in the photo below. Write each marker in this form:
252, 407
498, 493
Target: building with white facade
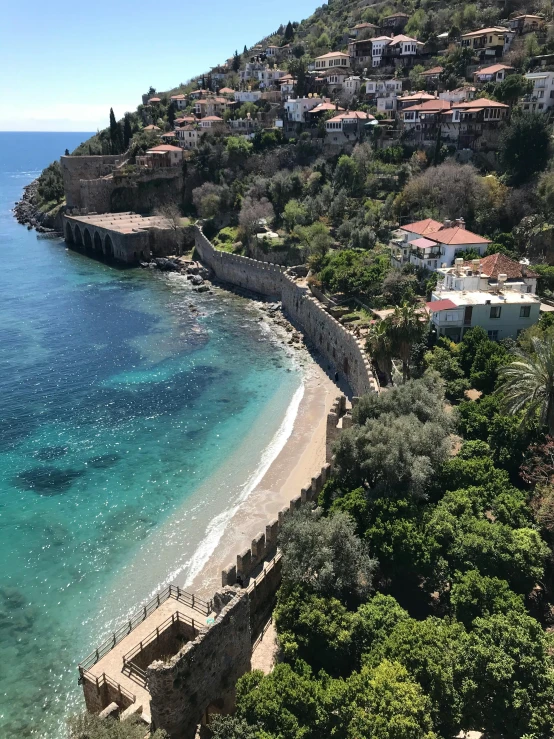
296, 108
349, 126
492, 73
503, 304
332, 59
378, 46
542, 97
432, 245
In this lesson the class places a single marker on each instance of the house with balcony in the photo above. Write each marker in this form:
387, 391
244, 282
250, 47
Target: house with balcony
348, 127
541, 99
402, 51
422, 121
479, 123
330, 60
431, 245
198, 94
247, 96
188, 136
493, 73
432, 76
488, 43
503, 304
360, 52
296, 109
414, 98
527, 24
212, 123
351, 86
333, 80
162, 156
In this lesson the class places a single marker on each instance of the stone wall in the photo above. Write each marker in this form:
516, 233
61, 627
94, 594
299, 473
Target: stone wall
75, 169
204, 672
331, 339
147, 190
95, 195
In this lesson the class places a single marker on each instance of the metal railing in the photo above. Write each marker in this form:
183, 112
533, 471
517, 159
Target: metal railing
103, 679
171, 591
130, 667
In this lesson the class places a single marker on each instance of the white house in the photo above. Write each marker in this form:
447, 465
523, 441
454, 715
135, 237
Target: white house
432, 245
188, 136
296, 108
211, 122
542, 97
248, 96
504, 304
332, 59
351, 86
378, 46
347, 126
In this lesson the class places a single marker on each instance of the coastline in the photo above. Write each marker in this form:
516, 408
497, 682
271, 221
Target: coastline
301, 457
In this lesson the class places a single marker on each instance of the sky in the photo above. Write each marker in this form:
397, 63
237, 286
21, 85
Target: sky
64, 64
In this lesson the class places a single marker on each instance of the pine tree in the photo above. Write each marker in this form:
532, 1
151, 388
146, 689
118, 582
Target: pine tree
289, 32
236, 62
67, 152
245, 52
127, 131
115, 134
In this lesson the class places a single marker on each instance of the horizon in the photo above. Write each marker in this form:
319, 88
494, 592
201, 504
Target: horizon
86, 66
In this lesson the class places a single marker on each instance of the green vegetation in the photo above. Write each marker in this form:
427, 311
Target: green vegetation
90, 726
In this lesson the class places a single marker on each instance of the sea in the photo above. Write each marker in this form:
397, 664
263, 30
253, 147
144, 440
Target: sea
135, 415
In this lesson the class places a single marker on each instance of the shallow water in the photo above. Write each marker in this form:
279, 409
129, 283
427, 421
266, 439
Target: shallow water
134, 415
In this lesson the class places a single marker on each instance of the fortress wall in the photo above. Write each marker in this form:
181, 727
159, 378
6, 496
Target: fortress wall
75, 169
95, 195
204, 672
331, 339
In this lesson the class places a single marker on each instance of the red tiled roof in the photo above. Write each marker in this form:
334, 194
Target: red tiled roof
433, 70
331, 54
423, 243
352, 115
437, 305
417, 96
492, 69
423, 227
168, 133
430, 106
365, 25
324, 106
481, 103
177, 97
500, 264
212, 118
456, 236
481, 31
226, 90
401, 37
154, 100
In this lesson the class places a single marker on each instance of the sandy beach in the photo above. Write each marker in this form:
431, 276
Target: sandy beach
300, 459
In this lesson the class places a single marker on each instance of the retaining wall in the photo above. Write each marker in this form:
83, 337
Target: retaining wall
331, 339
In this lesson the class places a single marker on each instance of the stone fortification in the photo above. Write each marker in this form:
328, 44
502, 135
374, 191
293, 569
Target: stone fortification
331, 339
203, 674
75, 169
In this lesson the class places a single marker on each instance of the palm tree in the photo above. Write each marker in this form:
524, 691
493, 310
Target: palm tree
379, 346
407, 327
528, 382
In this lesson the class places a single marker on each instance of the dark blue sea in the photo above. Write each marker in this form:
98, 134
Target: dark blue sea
135, 414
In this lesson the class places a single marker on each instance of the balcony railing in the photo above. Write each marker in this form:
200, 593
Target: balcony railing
426, 253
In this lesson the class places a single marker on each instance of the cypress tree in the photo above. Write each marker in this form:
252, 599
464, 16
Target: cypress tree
115, 134
236, 62
289, 32
171, 114
245, 50
127, 131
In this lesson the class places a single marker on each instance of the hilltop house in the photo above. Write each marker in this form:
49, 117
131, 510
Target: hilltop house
296, 108
394, 23
527, 24
541, 99
345, 127
494, 73
430, 245
188, 136
488, 43
383, 94
211, 122
378, 46
363, 29
432, 76
360, 52
331, 60
495, 293
179, 101
164, 155
402, 50
351, 86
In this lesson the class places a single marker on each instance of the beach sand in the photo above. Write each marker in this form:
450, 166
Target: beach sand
300, 459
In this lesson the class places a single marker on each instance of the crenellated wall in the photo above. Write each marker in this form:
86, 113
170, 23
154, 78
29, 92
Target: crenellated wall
331, 339
75, 169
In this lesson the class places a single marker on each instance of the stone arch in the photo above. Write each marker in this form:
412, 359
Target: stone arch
68, 233
108, 246
97, 242
78, 236
87, 239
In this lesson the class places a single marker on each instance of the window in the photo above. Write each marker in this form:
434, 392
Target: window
493, 335
529, 288
495, 311
525, 311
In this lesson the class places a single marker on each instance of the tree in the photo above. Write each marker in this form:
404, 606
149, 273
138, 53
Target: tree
508, 690
127, 131
236, 62
66, 153
91, 726
298, 68
324, 555
473, 596
512, 88
231, 727
527, 384
289, 33
379, 346
254, 211
115, 134
524, 147
171, 114
211, 200
407, 327
384, 702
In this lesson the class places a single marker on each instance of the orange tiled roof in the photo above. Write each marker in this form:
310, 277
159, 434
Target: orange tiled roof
491, 70
423, 227
500, 264
456, 236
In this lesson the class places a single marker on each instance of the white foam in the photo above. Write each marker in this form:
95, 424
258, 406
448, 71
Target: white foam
217, 526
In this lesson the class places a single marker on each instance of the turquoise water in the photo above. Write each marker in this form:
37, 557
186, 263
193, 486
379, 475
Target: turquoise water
134, 413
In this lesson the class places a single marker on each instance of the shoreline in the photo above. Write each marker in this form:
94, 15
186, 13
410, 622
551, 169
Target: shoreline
301, 457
